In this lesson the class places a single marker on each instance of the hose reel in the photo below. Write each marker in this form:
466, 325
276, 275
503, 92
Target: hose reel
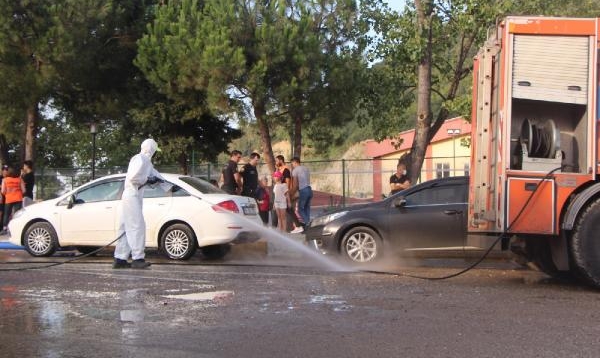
539, 146
541, 141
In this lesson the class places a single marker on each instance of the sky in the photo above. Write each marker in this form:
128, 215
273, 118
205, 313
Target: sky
396, 4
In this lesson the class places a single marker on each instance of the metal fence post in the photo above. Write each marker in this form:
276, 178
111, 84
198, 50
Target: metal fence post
193, 162
343, 183
43, 182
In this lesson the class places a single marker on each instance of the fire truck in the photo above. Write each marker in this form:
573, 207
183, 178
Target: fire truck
535, 177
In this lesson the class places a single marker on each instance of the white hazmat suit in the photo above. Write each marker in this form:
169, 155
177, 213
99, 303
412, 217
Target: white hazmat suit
132, 218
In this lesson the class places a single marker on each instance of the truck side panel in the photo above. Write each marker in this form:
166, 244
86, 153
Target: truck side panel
535, 120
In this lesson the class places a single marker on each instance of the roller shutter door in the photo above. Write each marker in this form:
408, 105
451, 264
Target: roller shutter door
551, 68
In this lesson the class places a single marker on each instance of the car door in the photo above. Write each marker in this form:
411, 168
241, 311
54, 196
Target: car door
91, 219
431, 217
157, 204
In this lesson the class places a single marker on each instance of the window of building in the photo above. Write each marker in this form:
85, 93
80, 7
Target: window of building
442, 170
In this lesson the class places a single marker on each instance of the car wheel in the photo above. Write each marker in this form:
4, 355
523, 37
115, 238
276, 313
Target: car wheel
40, 239
361, 245
215, 252
178, 242
87, 249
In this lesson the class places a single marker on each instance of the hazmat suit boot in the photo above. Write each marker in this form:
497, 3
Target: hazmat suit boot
121, 264
140, 264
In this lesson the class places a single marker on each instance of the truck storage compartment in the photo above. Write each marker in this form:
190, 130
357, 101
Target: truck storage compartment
531, 128
551, 68
519, 192
549, 102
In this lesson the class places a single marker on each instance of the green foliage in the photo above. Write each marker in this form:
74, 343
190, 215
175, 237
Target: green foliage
262, 60
181, 70
459, 28
187, 52
181, 127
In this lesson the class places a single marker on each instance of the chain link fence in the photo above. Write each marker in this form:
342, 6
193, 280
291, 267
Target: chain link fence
336, 183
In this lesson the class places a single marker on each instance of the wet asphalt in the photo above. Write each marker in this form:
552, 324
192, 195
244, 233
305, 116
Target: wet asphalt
280, 301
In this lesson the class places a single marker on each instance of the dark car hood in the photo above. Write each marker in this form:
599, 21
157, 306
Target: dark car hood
358, 207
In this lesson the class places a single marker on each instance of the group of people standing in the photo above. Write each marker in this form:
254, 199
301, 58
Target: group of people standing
16, 190
292, 193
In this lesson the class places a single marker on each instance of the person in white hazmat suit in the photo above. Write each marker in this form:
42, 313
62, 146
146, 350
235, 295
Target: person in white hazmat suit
140, 173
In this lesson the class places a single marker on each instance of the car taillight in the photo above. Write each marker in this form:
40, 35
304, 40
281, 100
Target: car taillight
228, 205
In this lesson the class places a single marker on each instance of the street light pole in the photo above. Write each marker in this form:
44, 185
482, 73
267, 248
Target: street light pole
453, 132
94, 131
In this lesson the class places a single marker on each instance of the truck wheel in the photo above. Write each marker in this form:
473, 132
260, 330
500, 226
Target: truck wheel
585, 244
541, 256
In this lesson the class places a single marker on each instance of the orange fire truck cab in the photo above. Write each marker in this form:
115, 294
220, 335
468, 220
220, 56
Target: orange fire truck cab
535, 143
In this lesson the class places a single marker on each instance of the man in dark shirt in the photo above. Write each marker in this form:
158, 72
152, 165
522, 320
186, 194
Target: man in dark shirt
399, 180
29, 180
230, 175
250, 176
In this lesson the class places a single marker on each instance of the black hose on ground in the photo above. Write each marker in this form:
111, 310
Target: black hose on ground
78, 257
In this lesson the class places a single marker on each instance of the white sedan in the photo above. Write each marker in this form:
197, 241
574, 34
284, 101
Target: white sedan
182, 214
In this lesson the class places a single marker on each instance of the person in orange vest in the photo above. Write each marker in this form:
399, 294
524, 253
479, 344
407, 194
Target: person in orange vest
13, 188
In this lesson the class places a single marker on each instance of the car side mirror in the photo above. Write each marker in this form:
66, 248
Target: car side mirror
71, 202
400, 202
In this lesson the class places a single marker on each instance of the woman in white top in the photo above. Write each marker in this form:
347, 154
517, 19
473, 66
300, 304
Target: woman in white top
281, 200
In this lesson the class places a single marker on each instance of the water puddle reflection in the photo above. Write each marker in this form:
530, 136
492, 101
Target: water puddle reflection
214, 296
132, 316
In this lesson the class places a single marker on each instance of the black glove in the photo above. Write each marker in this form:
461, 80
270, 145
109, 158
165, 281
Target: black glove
153, 180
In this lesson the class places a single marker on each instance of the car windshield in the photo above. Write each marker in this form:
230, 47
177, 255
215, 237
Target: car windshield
201, 185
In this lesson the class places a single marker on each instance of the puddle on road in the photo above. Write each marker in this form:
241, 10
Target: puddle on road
132, 315
335, 301
215, 296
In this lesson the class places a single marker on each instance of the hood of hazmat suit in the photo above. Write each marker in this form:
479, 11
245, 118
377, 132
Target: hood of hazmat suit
149, 147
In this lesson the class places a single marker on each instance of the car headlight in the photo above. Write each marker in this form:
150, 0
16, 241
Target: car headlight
326, 219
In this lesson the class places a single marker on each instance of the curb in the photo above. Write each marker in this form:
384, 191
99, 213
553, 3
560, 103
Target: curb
5, 245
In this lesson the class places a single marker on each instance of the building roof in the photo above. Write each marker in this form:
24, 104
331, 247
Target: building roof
376, 149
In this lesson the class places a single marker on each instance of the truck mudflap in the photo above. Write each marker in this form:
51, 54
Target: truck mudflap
483, 241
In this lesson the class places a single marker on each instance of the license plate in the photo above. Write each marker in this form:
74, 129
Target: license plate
249, 210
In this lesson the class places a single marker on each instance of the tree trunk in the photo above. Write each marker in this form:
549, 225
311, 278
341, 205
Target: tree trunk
182, 161
424, 115
31, 127
3, 150
297, 148
265, 136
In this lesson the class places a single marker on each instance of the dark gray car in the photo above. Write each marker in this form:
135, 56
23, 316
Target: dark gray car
429, 216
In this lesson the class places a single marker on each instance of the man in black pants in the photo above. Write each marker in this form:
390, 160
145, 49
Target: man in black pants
29, 180
250, 176
231, 177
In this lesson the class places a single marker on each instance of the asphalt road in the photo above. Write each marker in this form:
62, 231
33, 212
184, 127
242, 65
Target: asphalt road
289, 306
